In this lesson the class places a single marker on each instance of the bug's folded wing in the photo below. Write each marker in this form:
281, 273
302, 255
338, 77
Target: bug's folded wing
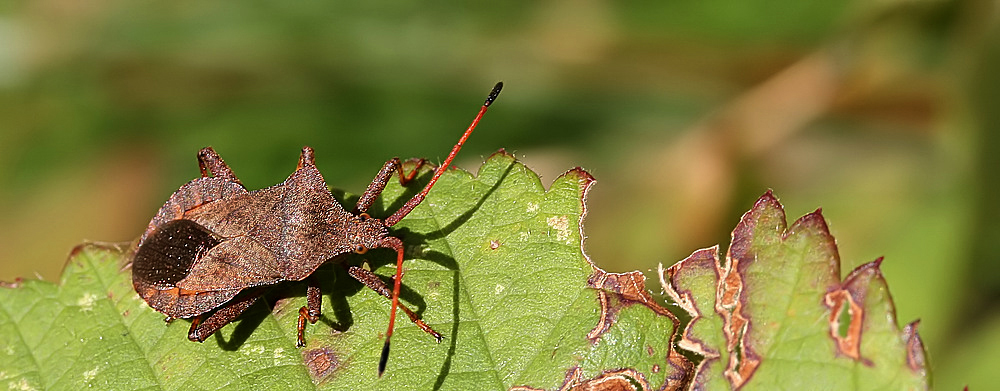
235, 263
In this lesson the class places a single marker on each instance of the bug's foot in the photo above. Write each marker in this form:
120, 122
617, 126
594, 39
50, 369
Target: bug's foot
196, 336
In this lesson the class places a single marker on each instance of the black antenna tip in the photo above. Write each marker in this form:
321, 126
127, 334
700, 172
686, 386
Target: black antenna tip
493, 94
382, 361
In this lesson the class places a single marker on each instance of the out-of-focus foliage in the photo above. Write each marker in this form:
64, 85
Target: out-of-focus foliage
881, 112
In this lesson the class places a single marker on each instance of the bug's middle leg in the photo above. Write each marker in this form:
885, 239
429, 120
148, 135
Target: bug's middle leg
310, 312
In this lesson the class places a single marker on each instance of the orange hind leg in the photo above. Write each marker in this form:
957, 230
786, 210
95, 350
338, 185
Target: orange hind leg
202, 328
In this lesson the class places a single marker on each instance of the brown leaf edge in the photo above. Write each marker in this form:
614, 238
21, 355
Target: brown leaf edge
729, 291
113, 247
703, 259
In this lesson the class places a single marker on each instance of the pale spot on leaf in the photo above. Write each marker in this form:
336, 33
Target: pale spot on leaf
90, 375
86, 302
21, 385
561, 225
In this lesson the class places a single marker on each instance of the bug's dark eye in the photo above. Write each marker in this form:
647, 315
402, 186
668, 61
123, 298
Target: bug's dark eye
361, 249
364, 216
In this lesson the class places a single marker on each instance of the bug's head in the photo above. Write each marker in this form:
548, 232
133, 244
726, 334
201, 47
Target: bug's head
367, 233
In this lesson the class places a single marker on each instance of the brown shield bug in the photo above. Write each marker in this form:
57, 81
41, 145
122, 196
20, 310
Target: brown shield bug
214, 246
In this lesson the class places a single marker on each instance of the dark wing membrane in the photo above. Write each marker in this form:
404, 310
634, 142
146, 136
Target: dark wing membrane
183, 270
166, 256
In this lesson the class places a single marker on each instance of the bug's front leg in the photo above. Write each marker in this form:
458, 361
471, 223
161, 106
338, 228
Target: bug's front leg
310, 312
376, 284
392, 166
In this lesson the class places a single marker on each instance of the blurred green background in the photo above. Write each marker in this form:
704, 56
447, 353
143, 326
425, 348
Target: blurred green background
883, 113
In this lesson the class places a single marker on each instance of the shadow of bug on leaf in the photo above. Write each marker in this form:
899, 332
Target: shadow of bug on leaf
214, 247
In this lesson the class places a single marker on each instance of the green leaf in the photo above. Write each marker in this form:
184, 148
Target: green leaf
776, 315
495, 263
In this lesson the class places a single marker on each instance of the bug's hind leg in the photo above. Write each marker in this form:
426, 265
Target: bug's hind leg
211, 164
376, 284
307, 158
202, 328
310, 312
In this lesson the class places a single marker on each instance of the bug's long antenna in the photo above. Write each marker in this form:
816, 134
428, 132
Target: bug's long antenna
396, 244
413, 202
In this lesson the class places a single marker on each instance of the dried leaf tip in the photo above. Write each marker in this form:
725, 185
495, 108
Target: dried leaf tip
581, 174
768, 198
493, 94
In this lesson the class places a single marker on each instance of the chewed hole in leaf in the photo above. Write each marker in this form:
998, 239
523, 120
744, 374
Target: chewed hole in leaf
846, 317
635, 383
844, 321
